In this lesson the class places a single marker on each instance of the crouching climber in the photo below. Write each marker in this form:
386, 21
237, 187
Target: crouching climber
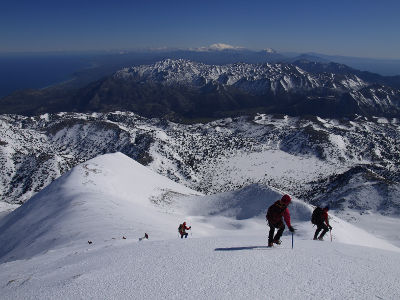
182, 230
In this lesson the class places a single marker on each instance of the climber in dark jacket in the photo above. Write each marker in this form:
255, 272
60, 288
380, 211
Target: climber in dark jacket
322, 222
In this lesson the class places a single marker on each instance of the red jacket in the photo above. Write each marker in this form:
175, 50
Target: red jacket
325, 216
183, 228
286, 217
276, 211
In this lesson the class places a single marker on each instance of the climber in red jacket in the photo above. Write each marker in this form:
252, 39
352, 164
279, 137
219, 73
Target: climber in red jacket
182, 230
274, 218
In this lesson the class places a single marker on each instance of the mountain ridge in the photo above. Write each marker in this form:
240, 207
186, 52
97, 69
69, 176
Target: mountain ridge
184, 90
339, 162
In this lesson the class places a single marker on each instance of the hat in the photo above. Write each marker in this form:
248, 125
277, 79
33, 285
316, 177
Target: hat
326, 208
286, 199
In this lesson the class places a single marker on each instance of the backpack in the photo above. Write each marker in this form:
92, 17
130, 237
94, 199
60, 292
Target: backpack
180, 228
316, 216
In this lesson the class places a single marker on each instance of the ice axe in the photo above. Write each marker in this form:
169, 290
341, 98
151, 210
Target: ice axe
330, 232
292, 240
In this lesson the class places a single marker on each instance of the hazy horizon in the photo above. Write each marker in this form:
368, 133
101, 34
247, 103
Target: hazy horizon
364, 29
166, 49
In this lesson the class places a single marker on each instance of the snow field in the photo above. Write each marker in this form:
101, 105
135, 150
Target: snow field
44, 250
206, 268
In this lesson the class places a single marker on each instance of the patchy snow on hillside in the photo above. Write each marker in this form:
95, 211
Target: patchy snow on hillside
112, 201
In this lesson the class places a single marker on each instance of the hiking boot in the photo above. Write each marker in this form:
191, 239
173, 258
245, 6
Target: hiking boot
270, 244
315, 239
278, 242
320, 238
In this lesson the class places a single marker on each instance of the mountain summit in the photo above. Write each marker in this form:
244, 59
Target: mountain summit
219, 47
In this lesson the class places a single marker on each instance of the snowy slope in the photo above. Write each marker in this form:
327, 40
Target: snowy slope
6, 208
112, 196
351, 164
206, 268
106, 197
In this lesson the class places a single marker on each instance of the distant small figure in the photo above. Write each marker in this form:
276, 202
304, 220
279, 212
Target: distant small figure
89, 242
274, 218
124, 238
182, 230
146, 236
319, 217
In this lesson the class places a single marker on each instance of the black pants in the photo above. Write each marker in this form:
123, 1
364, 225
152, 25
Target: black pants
184, 234
280, 226
321, 226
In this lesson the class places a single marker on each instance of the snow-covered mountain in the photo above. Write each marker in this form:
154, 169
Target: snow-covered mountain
280, 85
219, 47
253, 78
351, 164
95, 200
180, 90
111, 200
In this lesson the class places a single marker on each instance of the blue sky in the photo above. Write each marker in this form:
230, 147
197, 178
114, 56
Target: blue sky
366, 28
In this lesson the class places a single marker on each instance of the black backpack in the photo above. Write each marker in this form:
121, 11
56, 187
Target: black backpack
180, 227
316, 215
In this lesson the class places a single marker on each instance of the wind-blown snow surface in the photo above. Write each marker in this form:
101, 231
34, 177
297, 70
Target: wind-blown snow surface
226, 257
206, 268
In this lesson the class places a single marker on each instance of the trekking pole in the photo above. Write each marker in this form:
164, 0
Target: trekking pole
330, 232
292, 240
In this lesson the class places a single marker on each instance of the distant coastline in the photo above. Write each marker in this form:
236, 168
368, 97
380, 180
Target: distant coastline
20, 72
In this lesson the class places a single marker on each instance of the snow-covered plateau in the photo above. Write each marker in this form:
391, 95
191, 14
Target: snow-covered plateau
79, 238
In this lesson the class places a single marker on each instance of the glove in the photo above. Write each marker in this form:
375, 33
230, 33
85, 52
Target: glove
330, 227
291, 229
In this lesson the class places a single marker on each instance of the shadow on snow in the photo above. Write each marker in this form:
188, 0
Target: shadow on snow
242, 248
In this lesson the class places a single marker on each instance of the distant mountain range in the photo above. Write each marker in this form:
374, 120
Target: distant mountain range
180, 89
21, 71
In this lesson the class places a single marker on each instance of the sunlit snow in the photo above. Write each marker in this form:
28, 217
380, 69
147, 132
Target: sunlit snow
111, 201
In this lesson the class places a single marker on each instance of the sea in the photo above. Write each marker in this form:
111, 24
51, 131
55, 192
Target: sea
35, 71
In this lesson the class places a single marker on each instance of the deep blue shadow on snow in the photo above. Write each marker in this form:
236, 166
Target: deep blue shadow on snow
241, 248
